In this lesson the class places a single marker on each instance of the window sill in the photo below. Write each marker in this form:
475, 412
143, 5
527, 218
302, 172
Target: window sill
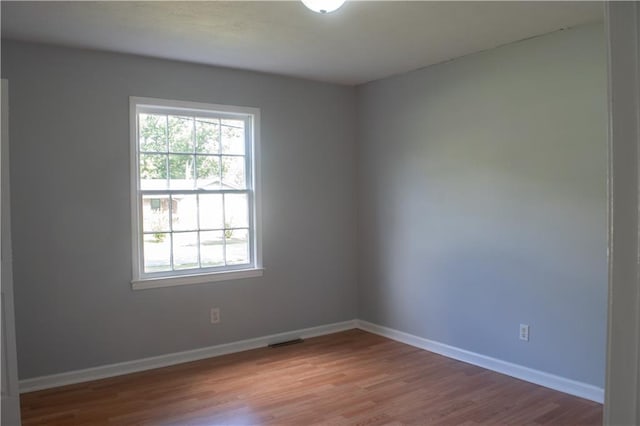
147, 283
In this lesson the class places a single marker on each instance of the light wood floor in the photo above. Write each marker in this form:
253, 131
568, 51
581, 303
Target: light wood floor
351, 377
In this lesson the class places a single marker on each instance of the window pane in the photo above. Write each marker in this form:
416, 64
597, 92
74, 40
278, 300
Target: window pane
237, 247
233, 175
185, 250
211, 249
236, 211
153, 171
184, 216
194, 186
157, 252
153, 132
232, 137
208, 172
207, 136
181, 169
155, 213
211, 211
181, 134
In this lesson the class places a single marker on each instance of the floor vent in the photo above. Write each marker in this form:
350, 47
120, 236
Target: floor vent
287, 343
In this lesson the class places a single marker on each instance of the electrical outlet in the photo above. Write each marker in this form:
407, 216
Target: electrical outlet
215, 315
524, 332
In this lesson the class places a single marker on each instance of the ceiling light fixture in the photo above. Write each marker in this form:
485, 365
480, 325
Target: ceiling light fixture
323, 6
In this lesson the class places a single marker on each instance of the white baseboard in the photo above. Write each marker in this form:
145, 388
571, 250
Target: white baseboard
559, 383
111, 370
562, 384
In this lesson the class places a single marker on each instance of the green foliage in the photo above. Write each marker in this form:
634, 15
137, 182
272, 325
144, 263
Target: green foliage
228, 233
168, 142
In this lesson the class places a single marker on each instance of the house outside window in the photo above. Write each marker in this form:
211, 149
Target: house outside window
195, 192
155, 203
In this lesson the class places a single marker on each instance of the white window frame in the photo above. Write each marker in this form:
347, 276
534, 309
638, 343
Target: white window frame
142, 280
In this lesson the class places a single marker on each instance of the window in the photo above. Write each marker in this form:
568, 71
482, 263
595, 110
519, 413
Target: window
194, 192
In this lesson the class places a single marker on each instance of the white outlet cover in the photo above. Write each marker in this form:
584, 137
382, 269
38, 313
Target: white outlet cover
524, 332
215, 315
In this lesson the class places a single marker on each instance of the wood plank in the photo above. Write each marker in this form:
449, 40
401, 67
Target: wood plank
347, 378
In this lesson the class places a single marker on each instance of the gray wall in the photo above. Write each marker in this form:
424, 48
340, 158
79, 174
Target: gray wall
482, 203
69, 140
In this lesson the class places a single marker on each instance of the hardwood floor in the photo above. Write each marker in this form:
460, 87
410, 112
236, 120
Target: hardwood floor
351, 378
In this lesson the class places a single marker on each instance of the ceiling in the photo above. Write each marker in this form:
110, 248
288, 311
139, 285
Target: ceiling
362, 41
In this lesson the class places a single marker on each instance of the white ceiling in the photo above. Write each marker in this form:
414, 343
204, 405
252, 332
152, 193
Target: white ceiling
362, 41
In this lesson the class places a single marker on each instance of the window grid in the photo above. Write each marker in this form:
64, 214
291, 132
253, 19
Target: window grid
239, 228
166, 137
199, 245
224, 224
198, 229
170, 232
219, 155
